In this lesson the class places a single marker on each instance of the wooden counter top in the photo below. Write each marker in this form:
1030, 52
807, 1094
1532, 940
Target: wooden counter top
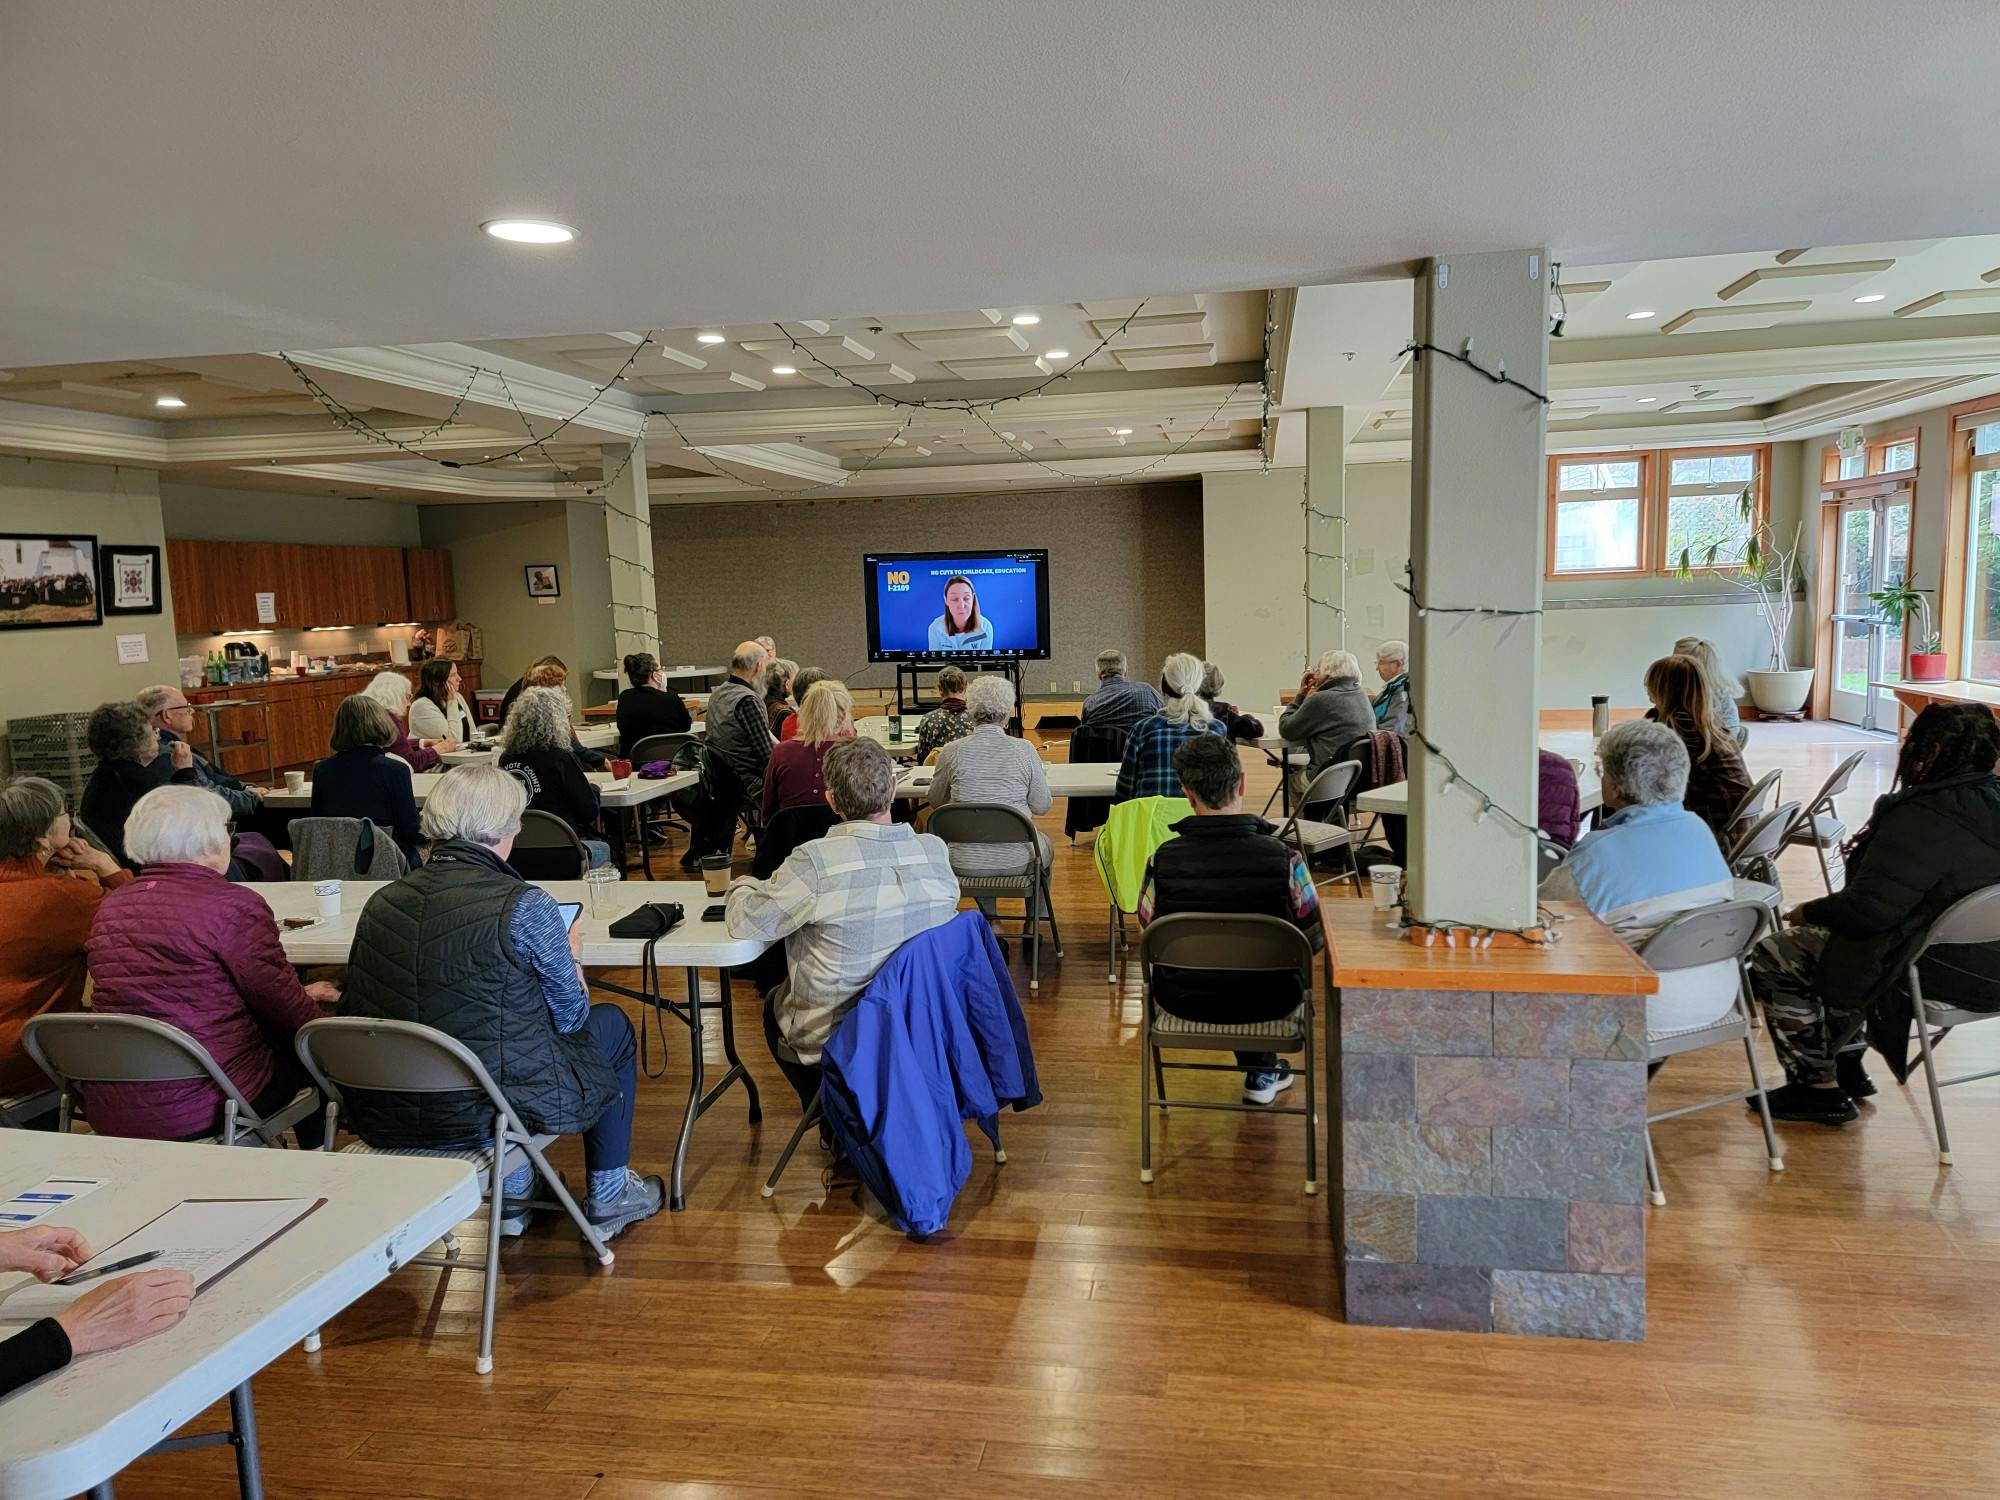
1588, 960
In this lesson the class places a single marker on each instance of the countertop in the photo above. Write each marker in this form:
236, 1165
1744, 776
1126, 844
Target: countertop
1588, 958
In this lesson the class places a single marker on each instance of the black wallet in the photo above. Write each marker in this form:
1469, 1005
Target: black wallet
653, 920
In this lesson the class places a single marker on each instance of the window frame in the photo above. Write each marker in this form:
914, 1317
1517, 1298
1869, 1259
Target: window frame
1760, 500
1955, 583
1648, 461
1875, 468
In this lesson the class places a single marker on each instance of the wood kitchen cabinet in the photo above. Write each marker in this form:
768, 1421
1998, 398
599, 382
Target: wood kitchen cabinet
427, 576
216, 584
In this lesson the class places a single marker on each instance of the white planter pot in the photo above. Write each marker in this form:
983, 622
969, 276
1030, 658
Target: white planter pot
1780, 692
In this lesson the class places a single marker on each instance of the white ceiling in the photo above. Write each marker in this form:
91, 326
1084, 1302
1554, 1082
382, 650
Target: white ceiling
213, 177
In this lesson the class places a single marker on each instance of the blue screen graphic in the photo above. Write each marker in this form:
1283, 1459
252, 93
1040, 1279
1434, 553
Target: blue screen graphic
985, 605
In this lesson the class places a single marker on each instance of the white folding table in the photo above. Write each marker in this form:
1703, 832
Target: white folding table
73, 1432
1090, 779
692, 946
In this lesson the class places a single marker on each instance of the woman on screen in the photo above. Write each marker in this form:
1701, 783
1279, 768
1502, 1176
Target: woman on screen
961, 627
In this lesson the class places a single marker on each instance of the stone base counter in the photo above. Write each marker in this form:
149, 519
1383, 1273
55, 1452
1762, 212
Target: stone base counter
1490, 1151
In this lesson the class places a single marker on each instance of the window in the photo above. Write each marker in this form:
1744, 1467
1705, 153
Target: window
1982, 553
1891, 453
1597, 518
1704, 506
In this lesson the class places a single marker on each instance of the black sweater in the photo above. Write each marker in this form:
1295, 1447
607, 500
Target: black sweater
556, 784
114, 787
643, 711
32, 1353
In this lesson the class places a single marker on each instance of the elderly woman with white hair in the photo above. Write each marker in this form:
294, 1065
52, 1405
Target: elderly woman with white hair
1649, 861
535, 749
1392, 704
1330, 712
181, 944
465, 945
1147, 769
989, 765
393, 691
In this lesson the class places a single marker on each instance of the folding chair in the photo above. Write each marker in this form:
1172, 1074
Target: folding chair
1332, 790
19, 1111
1548, 855
1973, 919
645, 751
403, 1057
986, 823
1753, 800
551, 845
1819, 826
1147, 822
1237, 944
1754, 855
95, 1047
1712, 935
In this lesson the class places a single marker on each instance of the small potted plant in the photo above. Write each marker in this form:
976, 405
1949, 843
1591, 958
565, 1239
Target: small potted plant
1901, 604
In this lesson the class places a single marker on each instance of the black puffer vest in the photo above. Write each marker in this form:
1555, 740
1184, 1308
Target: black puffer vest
1224, 862
434, 948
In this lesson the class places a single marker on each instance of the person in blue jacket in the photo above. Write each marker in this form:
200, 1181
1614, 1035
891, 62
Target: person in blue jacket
961, 627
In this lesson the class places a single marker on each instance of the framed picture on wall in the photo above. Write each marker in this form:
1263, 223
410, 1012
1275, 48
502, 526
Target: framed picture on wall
542, 581
129, 580
48, 581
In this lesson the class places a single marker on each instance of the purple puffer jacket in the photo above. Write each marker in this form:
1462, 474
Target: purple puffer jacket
180, 944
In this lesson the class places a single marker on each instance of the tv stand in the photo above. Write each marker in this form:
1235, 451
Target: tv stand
909, 674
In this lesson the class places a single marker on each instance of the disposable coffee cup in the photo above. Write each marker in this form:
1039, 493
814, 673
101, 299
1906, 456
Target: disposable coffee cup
715, 873
295, 781
328, 894
1387, 882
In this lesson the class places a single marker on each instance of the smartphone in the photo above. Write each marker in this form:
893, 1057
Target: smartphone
571, 910
713, 913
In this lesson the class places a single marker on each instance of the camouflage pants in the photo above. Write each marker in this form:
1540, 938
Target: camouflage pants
1806, 1034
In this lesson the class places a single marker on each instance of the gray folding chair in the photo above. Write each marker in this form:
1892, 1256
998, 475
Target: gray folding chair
1754, 854
1712, 935
1819, 826
92, 1047
1754, 800
987, 823
1548, 856
19, 1111
1235, 944
657, 747
545, 834
344, 849
402, 1057
1973, 919
1330, 793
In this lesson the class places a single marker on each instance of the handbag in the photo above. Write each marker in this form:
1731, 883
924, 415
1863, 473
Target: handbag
655, 919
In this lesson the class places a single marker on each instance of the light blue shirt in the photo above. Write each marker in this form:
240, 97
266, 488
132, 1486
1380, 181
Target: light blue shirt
979, 638
1644, 853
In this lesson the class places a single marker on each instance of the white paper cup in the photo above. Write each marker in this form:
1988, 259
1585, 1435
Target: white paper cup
328, 894
1387, 883
295, 781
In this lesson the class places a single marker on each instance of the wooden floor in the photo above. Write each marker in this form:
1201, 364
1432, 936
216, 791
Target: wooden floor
1824, 1332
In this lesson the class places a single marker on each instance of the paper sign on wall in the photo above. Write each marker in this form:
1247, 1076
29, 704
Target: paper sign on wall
131, 650
267, 609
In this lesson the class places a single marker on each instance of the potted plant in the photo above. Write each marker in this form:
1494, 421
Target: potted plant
1899, 604
1771, 573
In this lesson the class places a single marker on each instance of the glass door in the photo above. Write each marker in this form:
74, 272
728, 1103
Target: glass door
1874, 552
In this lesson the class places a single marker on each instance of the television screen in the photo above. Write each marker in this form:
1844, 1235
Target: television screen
932, 606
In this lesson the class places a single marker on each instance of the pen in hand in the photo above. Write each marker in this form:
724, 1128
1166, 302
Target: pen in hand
77, 1277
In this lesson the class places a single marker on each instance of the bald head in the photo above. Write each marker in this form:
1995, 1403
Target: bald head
748, 662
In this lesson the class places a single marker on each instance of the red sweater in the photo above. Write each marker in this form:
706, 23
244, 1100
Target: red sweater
44, 918
796, 776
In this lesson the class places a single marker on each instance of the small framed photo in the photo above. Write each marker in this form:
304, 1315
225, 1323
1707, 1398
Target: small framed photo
131, 580
542, 581
47, 581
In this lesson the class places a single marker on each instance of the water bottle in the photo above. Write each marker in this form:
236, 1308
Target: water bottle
1600, 715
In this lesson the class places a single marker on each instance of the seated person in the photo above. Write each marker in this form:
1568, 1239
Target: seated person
778, 675
465, 945
1237, 725
1118, 702
392, 690
1557, 798
1649, 861
438, 712
1392, 704
948, 721
1224, 859
1147, 769
961, 627
1933, 839
549, 671
990, 765
117, 1310
739, 726
1684, 701
361, 779
1728, 718
1330, 712
843, 903
186, 947
172, 717
535, 748
45, 916
647, 708
797, 776
801, 685
129, 765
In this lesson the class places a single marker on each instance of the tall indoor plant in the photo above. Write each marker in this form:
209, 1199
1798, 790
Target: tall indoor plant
1771, 573
1899, 604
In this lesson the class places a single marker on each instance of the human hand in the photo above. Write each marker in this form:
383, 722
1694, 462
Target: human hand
444, 746
1795, 917
259, 792
1307, 682
323, 992
44, 1251
126, 1309
576, 940
77, 854
181, 754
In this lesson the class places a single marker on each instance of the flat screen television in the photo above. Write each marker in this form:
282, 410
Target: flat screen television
946, 606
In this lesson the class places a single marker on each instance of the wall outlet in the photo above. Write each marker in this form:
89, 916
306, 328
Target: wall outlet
1052, 686
1076, 685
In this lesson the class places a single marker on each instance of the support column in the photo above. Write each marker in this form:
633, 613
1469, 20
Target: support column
1476, 541
1325, 530
628, 539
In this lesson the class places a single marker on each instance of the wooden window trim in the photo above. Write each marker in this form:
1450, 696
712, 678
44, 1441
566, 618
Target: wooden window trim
1648, 467
1871, 476
1663, 469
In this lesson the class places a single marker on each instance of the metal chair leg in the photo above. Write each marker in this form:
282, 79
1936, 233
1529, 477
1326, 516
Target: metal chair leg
1149, 1059
1312, 1114
1772, 1154
1825, 873
1653, 1188
1116, 932
1931, 1080
1049, 906
1160, 1079
1034, 902
496, 1192
806, 1121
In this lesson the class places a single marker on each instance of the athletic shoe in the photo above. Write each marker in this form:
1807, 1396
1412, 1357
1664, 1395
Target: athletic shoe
640, 1198
1851, 1072
1810, 1106
1263, 1087
515, 1217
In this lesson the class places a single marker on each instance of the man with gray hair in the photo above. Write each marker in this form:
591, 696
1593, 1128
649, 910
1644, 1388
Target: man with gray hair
1651, 860
1118, 702
167, 709
1392, 704
737, 747
842, 903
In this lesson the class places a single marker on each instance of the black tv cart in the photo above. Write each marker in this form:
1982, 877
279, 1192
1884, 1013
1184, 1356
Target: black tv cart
909, 675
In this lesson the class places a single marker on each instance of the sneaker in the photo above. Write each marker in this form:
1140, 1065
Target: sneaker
640, 1198
515, 1217
1810, 1106
1262, 1088
1850, 1071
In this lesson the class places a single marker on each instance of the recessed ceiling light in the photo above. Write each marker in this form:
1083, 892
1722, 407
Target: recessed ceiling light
1057, 354
529, 231
784, 369
1871, 297
709, 338
1026, 320
1644, 312
1647, 400
170, 402
1121, 432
